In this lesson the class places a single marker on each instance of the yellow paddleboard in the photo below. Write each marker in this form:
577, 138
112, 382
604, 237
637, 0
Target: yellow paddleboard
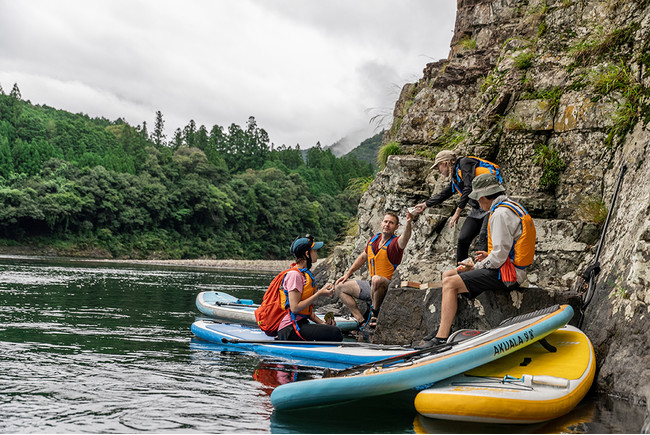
528, 386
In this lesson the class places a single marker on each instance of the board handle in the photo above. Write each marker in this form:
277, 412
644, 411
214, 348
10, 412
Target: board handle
529, 380
552, 381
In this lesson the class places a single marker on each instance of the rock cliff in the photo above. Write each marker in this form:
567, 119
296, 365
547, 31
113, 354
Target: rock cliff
556, 92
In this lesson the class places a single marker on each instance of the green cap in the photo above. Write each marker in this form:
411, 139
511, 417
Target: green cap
484, 185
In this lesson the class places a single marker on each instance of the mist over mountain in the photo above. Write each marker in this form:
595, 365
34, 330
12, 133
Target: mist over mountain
346, 144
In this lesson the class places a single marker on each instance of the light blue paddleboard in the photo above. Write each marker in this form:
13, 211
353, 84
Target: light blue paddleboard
321, 354
227, 308
425, 368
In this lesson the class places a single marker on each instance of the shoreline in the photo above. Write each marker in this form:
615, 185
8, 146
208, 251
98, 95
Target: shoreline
262, 265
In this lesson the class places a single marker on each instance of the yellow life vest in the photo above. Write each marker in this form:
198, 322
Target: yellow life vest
307, 291
522, 252
379, 264
483, 167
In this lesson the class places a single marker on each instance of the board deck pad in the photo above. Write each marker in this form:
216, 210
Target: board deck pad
528, 386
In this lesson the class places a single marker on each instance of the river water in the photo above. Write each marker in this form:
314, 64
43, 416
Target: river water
107, 348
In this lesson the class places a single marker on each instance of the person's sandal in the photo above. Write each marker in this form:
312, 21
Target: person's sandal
372, 323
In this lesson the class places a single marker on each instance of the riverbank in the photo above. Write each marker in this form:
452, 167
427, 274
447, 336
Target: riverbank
262, 265
104, 256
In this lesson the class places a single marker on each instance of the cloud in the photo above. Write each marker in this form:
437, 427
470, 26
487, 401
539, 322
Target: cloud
308, 71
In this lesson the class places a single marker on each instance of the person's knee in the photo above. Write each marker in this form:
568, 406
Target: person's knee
350, 289
379, 282
342, 289
451, 283
448, 273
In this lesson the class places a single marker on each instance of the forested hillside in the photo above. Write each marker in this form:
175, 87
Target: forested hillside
81, 184
368, 150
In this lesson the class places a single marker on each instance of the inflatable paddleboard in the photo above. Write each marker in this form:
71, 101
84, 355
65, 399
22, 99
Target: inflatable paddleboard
320, 354
425, 366
229, 309
528, 386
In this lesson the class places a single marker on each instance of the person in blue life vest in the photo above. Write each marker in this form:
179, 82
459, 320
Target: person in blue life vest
383, 253
299, 287
461, 171
511, 249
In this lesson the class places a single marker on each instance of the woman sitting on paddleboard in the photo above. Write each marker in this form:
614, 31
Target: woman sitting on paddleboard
300, 288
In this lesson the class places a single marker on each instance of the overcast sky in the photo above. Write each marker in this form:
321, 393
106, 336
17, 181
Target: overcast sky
306, 70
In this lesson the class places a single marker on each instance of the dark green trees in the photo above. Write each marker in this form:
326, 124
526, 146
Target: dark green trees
80, 182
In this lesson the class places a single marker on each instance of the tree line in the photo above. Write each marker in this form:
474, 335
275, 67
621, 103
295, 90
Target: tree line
76, 182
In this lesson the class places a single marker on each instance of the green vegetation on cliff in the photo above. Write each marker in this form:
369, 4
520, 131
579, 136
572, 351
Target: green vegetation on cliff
83, 184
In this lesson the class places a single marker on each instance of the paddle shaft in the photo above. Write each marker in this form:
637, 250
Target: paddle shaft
235, 304
312, 343
391, 360
594, 272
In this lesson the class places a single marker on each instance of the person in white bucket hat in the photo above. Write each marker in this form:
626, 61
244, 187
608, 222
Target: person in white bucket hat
511, 249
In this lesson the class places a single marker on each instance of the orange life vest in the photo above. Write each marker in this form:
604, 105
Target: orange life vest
522, 252
484, 167
379, 264
308, 290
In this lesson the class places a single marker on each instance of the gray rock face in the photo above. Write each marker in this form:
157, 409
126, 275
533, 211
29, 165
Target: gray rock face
558, 94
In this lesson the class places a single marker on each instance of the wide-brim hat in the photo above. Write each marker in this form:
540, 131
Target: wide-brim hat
485, 185
444, 156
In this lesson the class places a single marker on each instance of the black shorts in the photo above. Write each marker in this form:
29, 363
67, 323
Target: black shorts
310, 332
479, 280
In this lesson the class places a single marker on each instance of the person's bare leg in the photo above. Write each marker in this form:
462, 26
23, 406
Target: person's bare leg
452, 286
378, 290
348, 293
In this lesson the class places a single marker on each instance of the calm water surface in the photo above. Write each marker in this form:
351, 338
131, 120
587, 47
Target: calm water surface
101, 347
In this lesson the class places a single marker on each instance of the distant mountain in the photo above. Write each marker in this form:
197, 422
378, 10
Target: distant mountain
351, 141
368, 149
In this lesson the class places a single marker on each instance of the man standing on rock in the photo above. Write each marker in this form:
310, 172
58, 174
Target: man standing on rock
383, 254
511, 249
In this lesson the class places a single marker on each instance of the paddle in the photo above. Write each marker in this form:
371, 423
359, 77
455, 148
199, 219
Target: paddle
592, 271
235, 304
225, 340
327, 373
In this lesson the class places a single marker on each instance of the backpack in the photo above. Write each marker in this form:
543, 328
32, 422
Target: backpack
492, 168
270, 313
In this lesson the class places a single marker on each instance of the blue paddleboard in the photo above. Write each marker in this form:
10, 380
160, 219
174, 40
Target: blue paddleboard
323, 354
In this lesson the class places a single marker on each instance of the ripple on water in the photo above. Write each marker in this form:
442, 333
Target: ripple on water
141, 391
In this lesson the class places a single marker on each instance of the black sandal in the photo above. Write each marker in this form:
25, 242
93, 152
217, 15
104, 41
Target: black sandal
372, 322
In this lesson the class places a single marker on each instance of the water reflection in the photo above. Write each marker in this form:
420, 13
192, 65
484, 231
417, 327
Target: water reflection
574, 422
273, 375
